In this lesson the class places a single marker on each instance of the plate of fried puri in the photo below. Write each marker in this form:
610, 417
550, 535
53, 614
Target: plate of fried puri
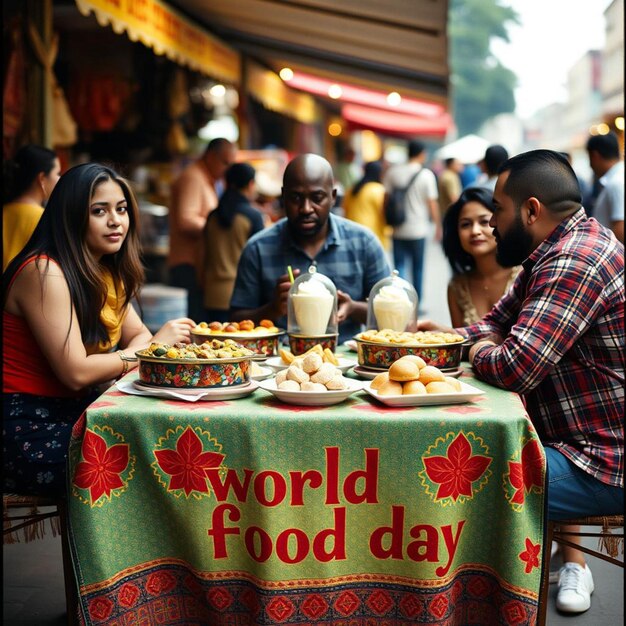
411, 382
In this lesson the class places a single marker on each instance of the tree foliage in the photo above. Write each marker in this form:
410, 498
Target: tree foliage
481, 86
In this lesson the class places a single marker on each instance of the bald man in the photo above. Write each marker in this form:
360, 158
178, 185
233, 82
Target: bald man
349, 254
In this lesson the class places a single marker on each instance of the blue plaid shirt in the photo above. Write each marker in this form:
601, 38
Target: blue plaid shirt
351, 257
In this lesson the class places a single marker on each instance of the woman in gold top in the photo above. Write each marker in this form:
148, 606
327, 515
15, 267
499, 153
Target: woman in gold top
478, 280
68, 322
29, 178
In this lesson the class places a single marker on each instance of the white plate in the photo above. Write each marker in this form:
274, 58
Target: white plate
277, 364
137, 388
266, 372
351, 345
466, 394
312, 398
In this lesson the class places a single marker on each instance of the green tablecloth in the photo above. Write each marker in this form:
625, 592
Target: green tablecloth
251, 511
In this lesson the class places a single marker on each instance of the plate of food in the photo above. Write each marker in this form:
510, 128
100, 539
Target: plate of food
286, 358
139, 388
405, 397
312, 398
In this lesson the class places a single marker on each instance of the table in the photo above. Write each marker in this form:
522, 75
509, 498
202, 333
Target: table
255, 512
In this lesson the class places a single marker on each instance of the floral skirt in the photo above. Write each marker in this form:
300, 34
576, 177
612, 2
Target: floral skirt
36, 432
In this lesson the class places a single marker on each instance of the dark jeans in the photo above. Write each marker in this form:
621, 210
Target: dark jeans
184, 276
413, 251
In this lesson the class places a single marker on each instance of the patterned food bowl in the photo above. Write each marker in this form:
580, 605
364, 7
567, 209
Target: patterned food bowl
184, 368
381, 354
262, 344
299, 344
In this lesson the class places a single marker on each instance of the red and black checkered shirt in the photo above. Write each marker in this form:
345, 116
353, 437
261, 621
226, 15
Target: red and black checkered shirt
563, 352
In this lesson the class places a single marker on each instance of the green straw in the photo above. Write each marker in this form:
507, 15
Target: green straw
290, 273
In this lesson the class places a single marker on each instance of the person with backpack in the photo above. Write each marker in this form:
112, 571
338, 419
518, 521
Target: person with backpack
420, 206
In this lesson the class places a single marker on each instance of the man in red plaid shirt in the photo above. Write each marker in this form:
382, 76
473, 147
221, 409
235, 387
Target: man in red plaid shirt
557, 339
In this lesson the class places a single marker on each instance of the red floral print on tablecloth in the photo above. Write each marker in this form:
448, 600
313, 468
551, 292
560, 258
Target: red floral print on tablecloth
457, 471
100, 471
280, 609
187, 465
530, 555
526, 474
314, 606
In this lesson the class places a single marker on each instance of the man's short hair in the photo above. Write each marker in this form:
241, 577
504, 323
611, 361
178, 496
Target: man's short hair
607, 146
495, 156
449, 161
217, 144
415, 148
545, 175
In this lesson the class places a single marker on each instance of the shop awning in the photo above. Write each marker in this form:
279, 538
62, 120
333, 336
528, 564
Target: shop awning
167, 31
392, 45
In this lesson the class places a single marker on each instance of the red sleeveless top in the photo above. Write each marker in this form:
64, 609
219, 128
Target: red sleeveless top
24, 367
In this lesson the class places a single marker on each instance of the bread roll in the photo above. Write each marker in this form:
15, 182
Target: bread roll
403, 370
379, 380
281, 376
289, 385
430, 374
454, 382
413, 387
297, 374
309, 386
337, 382
325, 373
415, 359
311, 363
438, 386
390, 388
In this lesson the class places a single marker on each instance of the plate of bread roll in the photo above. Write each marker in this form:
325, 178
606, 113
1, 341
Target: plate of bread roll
411, 382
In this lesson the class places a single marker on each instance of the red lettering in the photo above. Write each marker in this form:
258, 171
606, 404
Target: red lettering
218, 531
279, 489
299, 481
370, 480
240, 490
282, 545
332, 475
395, 532
426, 550
265, 544
337, 534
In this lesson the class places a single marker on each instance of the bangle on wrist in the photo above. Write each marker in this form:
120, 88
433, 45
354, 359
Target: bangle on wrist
126, 360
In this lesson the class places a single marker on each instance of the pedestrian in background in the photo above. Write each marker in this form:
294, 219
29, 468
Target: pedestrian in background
29, 178
194, 196
449, 184
364, 202
608, 167
494, 157
227, 230
422, 207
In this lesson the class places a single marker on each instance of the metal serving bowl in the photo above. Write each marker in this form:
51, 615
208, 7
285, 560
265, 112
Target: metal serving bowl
161, 371
380, 355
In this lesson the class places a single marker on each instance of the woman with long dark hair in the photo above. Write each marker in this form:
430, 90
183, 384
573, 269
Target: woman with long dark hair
478, 280
68, 322
29, 178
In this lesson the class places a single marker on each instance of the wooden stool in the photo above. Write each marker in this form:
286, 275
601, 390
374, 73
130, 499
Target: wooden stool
609, 545
32, 525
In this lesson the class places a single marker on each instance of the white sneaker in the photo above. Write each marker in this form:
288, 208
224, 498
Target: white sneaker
575, 588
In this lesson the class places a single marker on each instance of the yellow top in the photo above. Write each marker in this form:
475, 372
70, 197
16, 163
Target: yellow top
18, 223
112, 317
366, 208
